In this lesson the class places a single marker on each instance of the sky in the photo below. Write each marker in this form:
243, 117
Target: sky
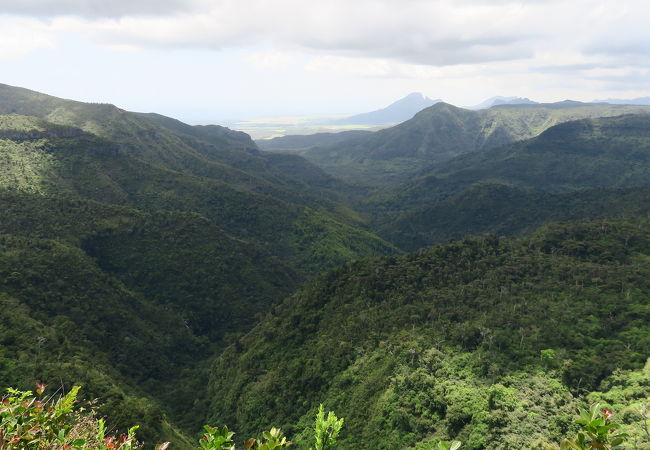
215, 60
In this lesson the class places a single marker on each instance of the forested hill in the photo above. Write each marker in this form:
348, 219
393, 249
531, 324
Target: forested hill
127, 276
122, 301
206, 151
94, 168
441, 132
184, 276
609, 151
583, 168
482, 340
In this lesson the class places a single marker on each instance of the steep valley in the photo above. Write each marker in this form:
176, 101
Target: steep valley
469, 275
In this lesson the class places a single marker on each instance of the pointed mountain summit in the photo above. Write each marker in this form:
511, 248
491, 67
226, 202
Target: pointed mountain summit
498, 100
397, 112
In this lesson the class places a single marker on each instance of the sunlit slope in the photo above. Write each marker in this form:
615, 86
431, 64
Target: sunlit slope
79, 164
207, 151
446, 343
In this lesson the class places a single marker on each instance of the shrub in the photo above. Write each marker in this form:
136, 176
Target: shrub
36, 422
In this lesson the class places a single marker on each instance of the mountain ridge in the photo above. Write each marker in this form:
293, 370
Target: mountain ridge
186, 276
567, 164
441, 132
91, 231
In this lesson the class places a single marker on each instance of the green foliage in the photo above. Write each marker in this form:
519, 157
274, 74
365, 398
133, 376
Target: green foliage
221, 439
573, 170
65, 404
30, 422
548, 356
326, 430
501, 210
445, 343
58, 351
597, 431
127, 276
274, 438
628, 393
216, 438
270, 216
37, 422
134, 248
441, 132
210, 152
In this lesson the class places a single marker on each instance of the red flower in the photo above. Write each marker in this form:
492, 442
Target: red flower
607, 413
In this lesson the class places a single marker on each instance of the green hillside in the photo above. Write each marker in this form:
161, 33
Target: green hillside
148, 136
505, 210
483, 340
127, 277
572, 170
151, 294
611, 151
207, 151
442, 132
183, 276
86, 166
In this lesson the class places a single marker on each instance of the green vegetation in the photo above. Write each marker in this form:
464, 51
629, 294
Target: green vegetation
126, 276
446, 343
221, 439
41, 422
28, 422
503, 210
183, 277
210, 152
92, 168
574, 170
443, 131
326, 430
598, 431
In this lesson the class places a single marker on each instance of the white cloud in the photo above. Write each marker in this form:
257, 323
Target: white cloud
529, 45
362, 67
23, 36
422, 32
270, 60
94, 8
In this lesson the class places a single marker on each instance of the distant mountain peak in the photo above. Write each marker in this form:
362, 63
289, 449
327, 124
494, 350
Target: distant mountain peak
415, 95
500, 100
397, 112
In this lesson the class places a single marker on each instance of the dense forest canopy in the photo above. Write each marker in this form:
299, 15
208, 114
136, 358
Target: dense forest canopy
472, 275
